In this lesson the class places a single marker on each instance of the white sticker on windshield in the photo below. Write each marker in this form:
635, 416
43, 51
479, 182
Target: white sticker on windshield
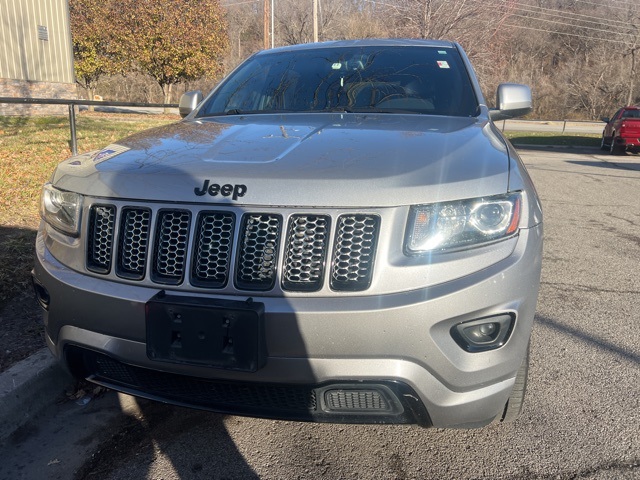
443, 64
336, 66
442, 52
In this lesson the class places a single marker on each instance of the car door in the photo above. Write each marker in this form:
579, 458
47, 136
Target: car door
608, 128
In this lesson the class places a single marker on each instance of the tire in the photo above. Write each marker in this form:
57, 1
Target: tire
603, 145
513, 407
613, 148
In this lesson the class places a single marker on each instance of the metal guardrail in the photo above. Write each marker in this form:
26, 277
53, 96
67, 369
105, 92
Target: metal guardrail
72, 112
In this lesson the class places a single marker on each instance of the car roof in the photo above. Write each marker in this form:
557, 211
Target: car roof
377, 42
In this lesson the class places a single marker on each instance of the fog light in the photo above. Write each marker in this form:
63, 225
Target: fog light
483, 334
42, 295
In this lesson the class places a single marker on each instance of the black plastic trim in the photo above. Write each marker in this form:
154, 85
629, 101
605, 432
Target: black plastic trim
83, 363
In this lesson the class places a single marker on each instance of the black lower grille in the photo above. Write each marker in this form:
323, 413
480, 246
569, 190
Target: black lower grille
205, 392
357, 402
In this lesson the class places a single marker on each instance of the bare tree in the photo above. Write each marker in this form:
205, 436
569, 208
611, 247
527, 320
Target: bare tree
245, 32
579, 57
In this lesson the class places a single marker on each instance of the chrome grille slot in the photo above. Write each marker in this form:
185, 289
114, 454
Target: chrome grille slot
100, 238
133, 246
258, 256
213, 245
171, 242
354, 252
305, 252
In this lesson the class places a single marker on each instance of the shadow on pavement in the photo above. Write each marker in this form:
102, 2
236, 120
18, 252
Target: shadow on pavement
611, 164
160, 441
596, 342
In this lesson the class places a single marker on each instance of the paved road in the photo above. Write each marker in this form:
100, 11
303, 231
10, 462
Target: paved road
581, 416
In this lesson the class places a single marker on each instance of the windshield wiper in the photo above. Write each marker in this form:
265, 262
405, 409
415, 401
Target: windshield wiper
369, 110
336, 110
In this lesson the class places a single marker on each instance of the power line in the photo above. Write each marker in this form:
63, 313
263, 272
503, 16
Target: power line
564, 14
567, 34
609, 5
582, 27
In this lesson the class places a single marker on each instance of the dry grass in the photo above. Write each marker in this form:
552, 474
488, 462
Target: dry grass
30, 148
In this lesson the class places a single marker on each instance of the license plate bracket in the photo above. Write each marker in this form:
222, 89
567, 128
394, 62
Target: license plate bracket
206, 332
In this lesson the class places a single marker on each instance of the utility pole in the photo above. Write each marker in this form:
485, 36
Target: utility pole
273, 30
315, 21
632, 52
266, 25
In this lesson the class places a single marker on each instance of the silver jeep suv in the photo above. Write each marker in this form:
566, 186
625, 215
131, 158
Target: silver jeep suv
336, 233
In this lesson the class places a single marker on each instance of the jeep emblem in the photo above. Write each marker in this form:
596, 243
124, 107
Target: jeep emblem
213, 189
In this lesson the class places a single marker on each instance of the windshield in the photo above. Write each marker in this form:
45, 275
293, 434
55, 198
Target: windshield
401, 79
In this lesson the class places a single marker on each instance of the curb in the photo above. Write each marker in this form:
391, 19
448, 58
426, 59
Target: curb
29, 387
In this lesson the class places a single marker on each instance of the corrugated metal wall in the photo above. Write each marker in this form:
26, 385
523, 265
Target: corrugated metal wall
35, 41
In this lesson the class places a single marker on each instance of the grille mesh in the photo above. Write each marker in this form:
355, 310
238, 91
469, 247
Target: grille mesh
217, 242
134, 242
306, 252
354, 252
258, 251
100, 243
213, 246
172, 239
356, 400
206, 392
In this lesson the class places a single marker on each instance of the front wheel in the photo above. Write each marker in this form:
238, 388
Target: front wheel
513, 407
603, 144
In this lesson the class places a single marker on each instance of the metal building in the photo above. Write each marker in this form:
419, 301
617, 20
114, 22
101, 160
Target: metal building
36, 55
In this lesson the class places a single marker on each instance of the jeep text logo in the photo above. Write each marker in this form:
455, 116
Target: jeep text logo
227, 190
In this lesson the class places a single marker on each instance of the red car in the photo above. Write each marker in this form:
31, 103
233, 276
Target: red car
622, 131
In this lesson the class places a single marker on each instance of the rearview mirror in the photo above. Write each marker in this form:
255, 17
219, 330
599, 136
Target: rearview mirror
513, 100
188, 102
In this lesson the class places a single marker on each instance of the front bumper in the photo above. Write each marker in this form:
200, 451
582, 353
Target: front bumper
398, 340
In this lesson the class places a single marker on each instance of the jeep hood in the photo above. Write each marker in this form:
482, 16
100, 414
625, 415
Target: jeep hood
311, 160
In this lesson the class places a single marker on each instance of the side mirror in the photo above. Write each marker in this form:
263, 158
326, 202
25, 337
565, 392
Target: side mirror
188, 102
605, 119
513, 100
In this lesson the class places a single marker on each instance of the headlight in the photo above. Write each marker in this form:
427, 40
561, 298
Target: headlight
465, 223
61, 209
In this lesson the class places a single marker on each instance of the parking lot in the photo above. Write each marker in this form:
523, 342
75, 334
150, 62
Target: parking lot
581, 414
